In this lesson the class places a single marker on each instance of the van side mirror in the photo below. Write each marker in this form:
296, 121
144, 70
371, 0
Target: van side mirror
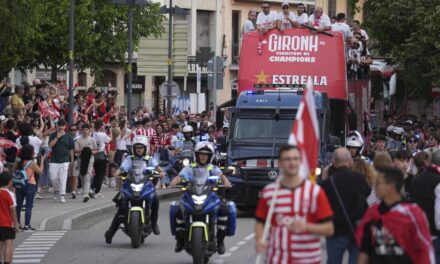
352, 121
219, 118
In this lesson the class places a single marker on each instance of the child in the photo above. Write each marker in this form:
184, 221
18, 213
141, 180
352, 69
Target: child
8, 218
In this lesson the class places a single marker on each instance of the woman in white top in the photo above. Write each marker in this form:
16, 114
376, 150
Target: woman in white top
100, 163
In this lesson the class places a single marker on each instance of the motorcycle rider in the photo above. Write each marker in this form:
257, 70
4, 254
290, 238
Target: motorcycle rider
396, 135
355, 144
140, 150
188, 143
204, 152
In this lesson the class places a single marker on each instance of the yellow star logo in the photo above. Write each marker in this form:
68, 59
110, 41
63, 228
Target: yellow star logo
261, 78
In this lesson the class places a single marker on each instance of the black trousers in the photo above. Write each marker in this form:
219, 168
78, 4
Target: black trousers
98, 179
222, 220
119, 217
119, 154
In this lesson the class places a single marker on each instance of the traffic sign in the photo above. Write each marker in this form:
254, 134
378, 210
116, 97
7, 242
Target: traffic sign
163, 89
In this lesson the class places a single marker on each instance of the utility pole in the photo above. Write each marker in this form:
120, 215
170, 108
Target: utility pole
130, 54
170, 10
170, 57
71, 62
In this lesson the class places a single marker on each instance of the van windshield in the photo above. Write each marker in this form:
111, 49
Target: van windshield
262, 128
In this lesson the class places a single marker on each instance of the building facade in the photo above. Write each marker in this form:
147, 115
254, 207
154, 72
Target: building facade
211, 28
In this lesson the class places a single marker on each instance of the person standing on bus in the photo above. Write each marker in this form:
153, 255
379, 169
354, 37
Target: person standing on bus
319, 20
267, 19
249, 24
286, 19
302, 16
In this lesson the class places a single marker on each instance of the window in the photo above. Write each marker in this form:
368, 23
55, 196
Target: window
251, 128
109, 77
331, 8
82, 79
236, 28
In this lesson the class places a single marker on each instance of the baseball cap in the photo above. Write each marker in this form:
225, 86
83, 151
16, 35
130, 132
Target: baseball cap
2, 118
285, 3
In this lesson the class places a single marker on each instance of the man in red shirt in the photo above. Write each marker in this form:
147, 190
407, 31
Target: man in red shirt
301, 215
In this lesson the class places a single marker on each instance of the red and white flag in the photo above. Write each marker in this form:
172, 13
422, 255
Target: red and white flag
305, 132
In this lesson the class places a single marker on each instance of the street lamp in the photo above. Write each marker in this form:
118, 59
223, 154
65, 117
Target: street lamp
130, 4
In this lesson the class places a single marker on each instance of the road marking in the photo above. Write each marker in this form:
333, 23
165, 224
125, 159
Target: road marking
36, 246
249, 237
22, 248
31, 252
232, 249
29, 256
26, 260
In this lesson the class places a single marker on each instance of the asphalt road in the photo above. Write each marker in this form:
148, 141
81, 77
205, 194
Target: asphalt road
88, 246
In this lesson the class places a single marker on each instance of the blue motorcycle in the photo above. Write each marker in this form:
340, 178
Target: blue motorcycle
138, 191
200, 204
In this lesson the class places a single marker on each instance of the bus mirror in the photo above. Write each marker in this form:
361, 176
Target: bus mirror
219, 117
352, 121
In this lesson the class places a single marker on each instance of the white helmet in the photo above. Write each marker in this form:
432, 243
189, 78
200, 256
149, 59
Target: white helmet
398, 130
187, 129
204, 147
141, 140
355, 140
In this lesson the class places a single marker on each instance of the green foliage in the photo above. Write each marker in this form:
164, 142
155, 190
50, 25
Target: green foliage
407, 35
353, 7
17, 23
101, 33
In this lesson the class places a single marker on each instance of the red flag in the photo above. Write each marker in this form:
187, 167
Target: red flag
305, 132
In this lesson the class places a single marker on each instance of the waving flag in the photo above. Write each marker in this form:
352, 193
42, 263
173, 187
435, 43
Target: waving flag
305, 132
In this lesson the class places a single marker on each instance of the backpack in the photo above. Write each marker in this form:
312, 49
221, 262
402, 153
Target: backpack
20, 179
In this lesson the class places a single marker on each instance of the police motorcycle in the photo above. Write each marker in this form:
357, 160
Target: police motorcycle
138, 192
200, 203
197, 215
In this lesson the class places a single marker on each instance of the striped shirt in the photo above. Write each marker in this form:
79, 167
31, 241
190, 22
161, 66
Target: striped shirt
143, 132
157, 142
308, 202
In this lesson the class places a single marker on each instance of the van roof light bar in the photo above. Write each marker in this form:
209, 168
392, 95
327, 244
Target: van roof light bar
281, 87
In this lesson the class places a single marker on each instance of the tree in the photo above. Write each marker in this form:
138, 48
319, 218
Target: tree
100, 33
407, 36
17, 23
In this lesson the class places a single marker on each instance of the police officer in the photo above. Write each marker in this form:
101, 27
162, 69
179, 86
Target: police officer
188, 143
204, 152
355, 144
139, 160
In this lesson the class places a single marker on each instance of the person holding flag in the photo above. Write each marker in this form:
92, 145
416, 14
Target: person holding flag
293, 212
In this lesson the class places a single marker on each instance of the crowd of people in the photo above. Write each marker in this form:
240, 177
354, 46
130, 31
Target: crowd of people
37, 141
356, 38
382, 195
365, 209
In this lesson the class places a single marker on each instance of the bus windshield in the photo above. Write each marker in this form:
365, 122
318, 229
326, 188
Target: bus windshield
262, 128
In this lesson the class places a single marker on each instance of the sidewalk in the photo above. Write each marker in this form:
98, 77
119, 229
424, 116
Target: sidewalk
48, 214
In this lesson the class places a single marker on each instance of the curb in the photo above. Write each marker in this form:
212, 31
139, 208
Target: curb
74, 222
